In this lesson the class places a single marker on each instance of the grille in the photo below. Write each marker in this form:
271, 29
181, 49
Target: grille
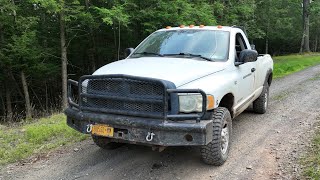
123, 95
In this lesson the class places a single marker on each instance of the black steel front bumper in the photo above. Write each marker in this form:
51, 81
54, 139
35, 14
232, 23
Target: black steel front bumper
135, 129
169, 128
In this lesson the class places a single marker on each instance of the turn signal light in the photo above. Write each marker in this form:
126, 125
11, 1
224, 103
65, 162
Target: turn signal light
210, 102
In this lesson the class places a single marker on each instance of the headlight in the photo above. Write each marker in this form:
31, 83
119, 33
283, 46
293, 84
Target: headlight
193, 103
85, 89
84, 86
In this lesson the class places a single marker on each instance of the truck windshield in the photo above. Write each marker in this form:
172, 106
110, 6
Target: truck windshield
206, 44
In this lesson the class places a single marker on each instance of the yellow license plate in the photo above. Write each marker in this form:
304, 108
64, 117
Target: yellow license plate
102, 130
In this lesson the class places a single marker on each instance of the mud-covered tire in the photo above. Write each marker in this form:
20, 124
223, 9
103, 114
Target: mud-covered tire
105, 143
217, 151
260, 105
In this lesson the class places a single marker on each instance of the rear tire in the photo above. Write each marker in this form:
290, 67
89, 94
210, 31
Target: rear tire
105, 143
260, 105
217, 151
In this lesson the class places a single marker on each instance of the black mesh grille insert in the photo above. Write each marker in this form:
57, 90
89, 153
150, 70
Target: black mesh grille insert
123, 95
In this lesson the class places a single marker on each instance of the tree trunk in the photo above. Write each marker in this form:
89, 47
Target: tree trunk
47, 98
316, 44
307, 34
64, 61
8, 103
267, 27
3, 105
306, 27
119, 41
87, 2
1, 35
26, 95
13, 79
302, 44
1, 45
14, 13
267, 45
114, 37
92, 51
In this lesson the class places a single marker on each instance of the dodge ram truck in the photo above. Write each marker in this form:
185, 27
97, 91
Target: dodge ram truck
181, 86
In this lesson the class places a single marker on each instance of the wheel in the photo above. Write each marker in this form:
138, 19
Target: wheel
217, 151
105, 143
260, 105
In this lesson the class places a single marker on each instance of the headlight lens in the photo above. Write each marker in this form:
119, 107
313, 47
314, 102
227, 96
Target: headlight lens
84, 86
85, 89
193, 103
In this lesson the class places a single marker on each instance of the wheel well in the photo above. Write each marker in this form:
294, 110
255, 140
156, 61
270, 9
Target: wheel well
227, 101
269, 80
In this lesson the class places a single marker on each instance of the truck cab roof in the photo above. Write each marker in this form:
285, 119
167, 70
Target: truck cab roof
201, 27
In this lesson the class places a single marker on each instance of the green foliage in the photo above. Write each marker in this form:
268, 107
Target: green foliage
24, 50
114, 15
285, 65
97, 31
19, 142
281, 24
156, 14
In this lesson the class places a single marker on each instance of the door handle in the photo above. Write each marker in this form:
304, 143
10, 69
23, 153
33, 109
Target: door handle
253, 69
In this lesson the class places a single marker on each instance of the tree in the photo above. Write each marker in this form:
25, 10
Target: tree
315, 25
43, 42
68, 11
305, 44
278, 22
25, 51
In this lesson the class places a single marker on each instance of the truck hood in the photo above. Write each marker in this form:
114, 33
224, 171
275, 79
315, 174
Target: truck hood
180, 71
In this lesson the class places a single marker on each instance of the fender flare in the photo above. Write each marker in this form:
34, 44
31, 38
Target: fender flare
269, 72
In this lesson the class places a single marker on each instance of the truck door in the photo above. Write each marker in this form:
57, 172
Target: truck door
246, 72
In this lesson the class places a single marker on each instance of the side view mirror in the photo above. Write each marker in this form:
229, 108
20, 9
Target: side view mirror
128, 51
248, 56
253, 47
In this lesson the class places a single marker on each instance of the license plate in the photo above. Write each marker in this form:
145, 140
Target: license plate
102, 130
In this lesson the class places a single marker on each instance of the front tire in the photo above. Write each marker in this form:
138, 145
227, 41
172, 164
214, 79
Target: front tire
217, 151
105, 143
260, 105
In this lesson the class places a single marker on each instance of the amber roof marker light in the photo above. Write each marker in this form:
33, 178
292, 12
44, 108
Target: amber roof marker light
219, 27
168, 27
182, 26
191, 26
201, 26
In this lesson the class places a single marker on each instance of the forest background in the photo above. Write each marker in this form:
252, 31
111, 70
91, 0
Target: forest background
45, 42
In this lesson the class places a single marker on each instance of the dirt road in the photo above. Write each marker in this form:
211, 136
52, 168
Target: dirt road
264, 146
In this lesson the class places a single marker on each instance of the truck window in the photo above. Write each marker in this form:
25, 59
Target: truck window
211, 44
240, 44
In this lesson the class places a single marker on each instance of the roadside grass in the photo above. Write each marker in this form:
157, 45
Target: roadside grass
280, 96
285, 65
18, 142
317, 77
311, 161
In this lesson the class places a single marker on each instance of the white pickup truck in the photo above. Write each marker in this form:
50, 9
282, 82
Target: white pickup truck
181, 86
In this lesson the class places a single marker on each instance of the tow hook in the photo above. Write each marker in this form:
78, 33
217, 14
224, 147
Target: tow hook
149, 136
89, 128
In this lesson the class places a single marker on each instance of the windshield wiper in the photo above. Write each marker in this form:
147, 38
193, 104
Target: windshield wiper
190, 55
149, 53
